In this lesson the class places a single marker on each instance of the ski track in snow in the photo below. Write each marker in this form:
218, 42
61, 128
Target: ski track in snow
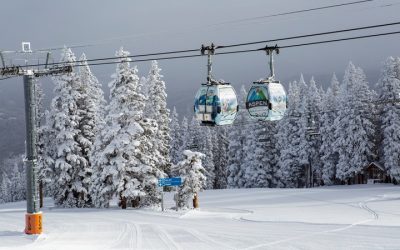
154, 238
126, 237
138, 237
362, 205
174, 244
208, 240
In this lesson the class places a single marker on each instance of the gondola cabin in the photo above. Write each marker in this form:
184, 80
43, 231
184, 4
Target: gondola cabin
216, 105
267, 101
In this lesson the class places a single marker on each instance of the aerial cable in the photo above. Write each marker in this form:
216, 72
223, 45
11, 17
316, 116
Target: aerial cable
143, 60
295, 12
311, 35
233, 52
254, 50
341, 39
313, 43
227, 46
109, 40
61, 48
144, 55
223, 53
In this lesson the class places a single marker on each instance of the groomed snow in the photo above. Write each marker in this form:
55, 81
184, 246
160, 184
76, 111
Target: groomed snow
343, 217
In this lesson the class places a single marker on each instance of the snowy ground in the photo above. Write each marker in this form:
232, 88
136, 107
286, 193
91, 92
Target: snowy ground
344, 217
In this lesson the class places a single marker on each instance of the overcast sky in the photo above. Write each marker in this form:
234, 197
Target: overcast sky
156, 25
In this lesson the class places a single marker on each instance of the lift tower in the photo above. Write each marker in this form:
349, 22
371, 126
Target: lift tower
33, 217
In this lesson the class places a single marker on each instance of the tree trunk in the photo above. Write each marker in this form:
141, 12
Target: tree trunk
41, 194
135, 202
122, 202
195, 201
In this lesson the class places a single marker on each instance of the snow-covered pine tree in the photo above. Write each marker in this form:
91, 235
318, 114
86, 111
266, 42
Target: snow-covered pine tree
354, 128
193, 177
205, 140
310, 141
149, 156
184, 132
94, 98
270, 159
208, 162
157, 109
4, 193
195, 137
216, 154
221, 158
69, 169
260, 159
4, 182
117, 156
288, 137
144, 89
13, 181
176, 139
40, 137
237, 138
389, 89
303, 88
254, 173
46, 154
17, 183
329, 156
90, 105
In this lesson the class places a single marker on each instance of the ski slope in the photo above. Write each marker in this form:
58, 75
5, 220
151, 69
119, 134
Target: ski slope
343, 217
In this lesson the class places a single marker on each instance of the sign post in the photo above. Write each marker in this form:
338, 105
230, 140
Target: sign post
168, 182
162, 199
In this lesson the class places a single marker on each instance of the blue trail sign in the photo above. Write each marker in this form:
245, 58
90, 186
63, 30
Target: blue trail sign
167, 182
